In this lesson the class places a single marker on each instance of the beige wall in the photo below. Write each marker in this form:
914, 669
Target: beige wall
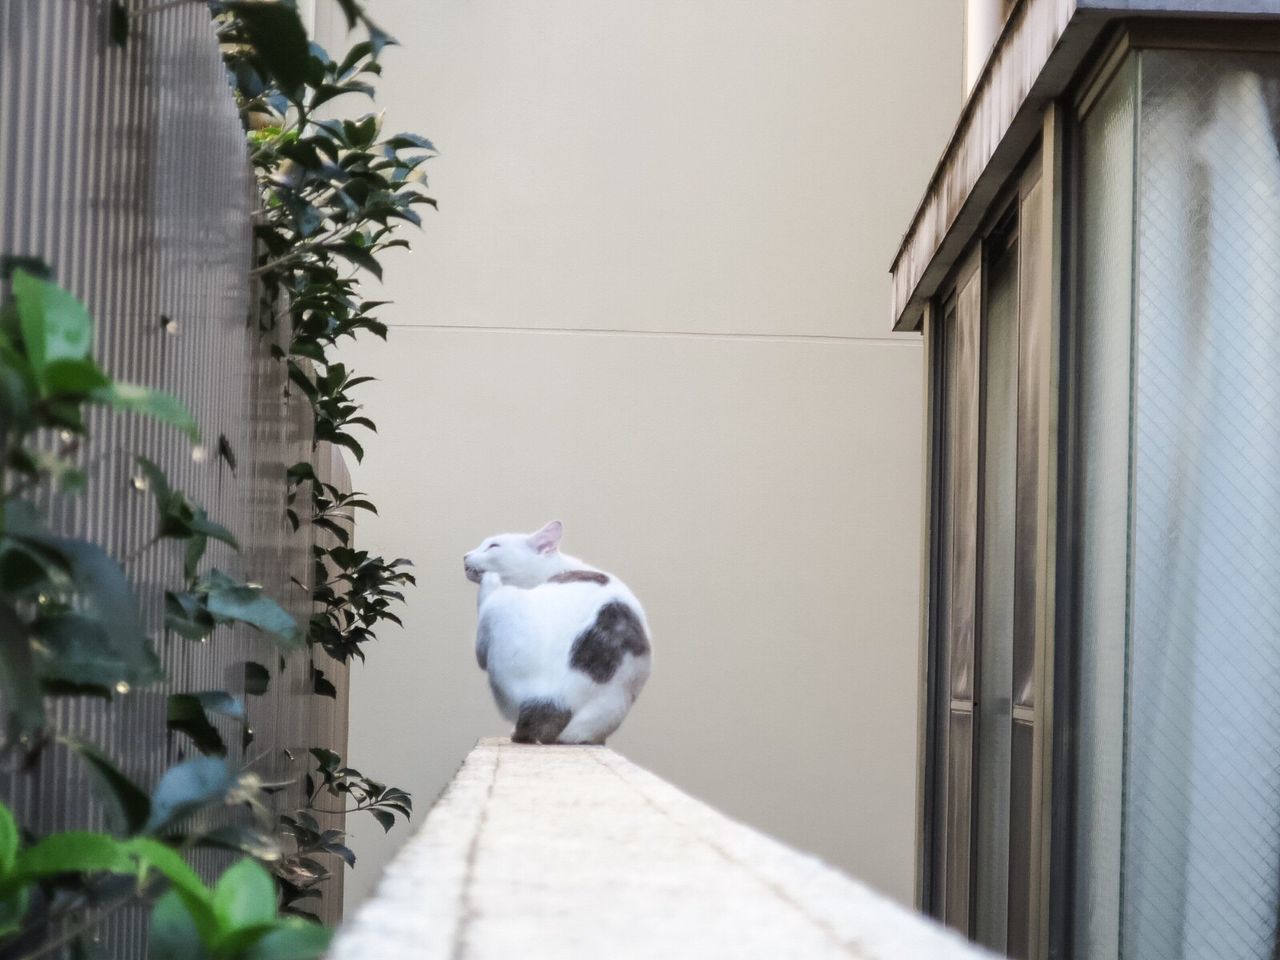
654, 304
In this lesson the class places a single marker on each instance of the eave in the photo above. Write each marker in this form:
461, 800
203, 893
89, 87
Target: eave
1044, 46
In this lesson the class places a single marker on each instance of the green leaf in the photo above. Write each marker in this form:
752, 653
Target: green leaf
21, 697
11, 263
402, 140
186, 788
260, 845
174, 934
378, 38
118, 23
24, 569
350, 443
229, 600
321, 686
193, 554
185, 616
156, 481
74, 376
226, 452
279, 38
327, 759
357, 53
186, 714
198, 899
9, 841
55, 325
202, 524
73, 852
107, 597
256, 679
75, 649
132, 800
13, 907
301, 471
353, 12
152, 403
359, 256
292, 939
244, 896
385, 818
222, 703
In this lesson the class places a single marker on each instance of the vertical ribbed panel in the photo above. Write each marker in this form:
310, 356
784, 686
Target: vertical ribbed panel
125, 169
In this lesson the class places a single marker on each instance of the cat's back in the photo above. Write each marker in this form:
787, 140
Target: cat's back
583, 592
566, 603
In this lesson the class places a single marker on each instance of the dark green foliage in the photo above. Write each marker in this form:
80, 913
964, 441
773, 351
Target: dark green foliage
131, 801
70, 622
333, 191
332, 788
256, 679
179, 519
320, 685
118, 23
192, 714
355, 592
186, 788
214, 599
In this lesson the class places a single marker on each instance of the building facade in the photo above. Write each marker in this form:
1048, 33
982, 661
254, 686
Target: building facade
1094, 271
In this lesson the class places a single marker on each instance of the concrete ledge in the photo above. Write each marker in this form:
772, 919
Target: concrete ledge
568, 852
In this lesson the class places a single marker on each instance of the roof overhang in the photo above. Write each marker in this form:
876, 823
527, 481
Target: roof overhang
1042, 49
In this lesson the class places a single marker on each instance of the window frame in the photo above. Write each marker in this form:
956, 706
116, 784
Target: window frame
1043, 165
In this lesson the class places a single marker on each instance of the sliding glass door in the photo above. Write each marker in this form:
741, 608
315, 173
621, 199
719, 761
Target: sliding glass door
987, 636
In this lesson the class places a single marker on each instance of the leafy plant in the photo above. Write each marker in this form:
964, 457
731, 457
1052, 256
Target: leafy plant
67, 611
70, 625
332, 192
235, 920
303, 868
333, 189
355, 592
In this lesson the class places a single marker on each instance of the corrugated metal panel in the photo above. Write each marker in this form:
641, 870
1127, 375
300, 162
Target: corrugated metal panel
124, 168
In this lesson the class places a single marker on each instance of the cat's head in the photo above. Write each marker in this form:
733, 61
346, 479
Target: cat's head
520, 559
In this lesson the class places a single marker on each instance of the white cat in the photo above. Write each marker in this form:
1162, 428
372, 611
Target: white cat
566, 645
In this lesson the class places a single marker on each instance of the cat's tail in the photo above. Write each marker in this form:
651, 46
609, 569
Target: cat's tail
540, 721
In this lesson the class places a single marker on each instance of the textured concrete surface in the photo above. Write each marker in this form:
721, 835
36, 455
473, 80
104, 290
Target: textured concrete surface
568, 852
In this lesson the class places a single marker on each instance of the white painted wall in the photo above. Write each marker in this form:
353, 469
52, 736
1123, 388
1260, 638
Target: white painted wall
654, 304
982, 22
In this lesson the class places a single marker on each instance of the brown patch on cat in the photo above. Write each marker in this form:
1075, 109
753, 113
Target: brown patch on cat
540, 721
580, 576
598, 650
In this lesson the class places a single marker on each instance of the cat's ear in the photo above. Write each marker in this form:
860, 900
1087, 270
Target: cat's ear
547, 540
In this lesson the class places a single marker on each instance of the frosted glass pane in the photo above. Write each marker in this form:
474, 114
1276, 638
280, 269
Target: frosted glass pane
1105, 327
1202, 788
